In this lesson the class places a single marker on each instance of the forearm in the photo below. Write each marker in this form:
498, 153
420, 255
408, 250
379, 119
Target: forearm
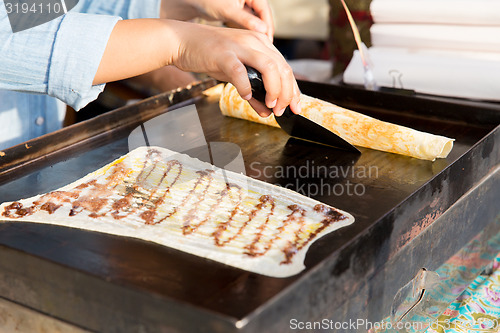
136, 47
165, 79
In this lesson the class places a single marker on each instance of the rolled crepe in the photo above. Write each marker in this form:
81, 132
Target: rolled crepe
356, 128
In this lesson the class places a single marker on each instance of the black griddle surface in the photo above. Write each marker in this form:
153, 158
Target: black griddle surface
166, 273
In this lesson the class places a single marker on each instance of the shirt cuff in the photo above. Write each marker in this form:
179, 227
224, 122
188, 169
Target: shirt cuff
140, 9
77, 52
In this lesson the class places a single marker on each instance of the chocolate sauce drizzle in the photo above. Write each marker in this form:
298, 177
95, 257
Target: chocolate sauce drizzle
144, 200
149, 215
264, 201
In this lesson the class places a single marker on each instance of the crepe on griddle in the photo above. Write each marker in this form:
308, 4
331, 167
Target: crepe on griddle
172, 199
356, 128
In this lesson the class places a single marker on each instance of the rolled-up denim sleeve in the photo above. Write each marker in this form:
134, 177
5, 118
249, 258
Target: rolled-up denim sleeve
59, 58
78, 47
127, 9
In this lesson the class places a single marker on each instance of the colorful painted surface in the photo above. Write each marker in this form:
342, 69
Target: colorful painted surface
477, 309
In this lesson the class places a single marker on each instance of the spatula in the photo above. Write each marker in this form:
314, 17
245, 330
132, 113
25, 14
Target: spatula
296, 125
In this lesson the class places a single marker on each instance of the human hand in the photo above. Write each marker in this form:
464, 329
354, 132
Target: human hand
253, 15
139, 46
222, 53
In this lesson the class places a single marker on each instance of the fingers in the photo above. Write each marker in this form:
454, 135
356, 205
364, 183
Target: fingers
247, 20
263, 11
222, 53
270, 70
281, 91
279, 81
238, 76
260, 108
253, 15
295, 104
287, 90
236, 73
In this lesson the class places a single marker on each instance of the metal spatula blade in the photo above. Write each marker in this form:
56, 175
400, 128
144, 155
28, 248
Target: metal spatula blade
297, 125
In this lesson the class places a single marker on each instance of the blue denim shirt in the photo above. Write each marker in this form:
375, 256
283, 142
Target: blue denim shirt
55, 63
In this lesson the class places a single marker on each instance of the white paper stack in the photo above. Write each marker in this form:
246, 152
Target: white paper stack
440, 47
439, 37
461, 12
455, 74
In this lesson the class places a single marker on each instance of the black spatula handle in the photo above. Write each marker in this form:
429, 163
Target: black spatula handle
296, 125
258, 90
